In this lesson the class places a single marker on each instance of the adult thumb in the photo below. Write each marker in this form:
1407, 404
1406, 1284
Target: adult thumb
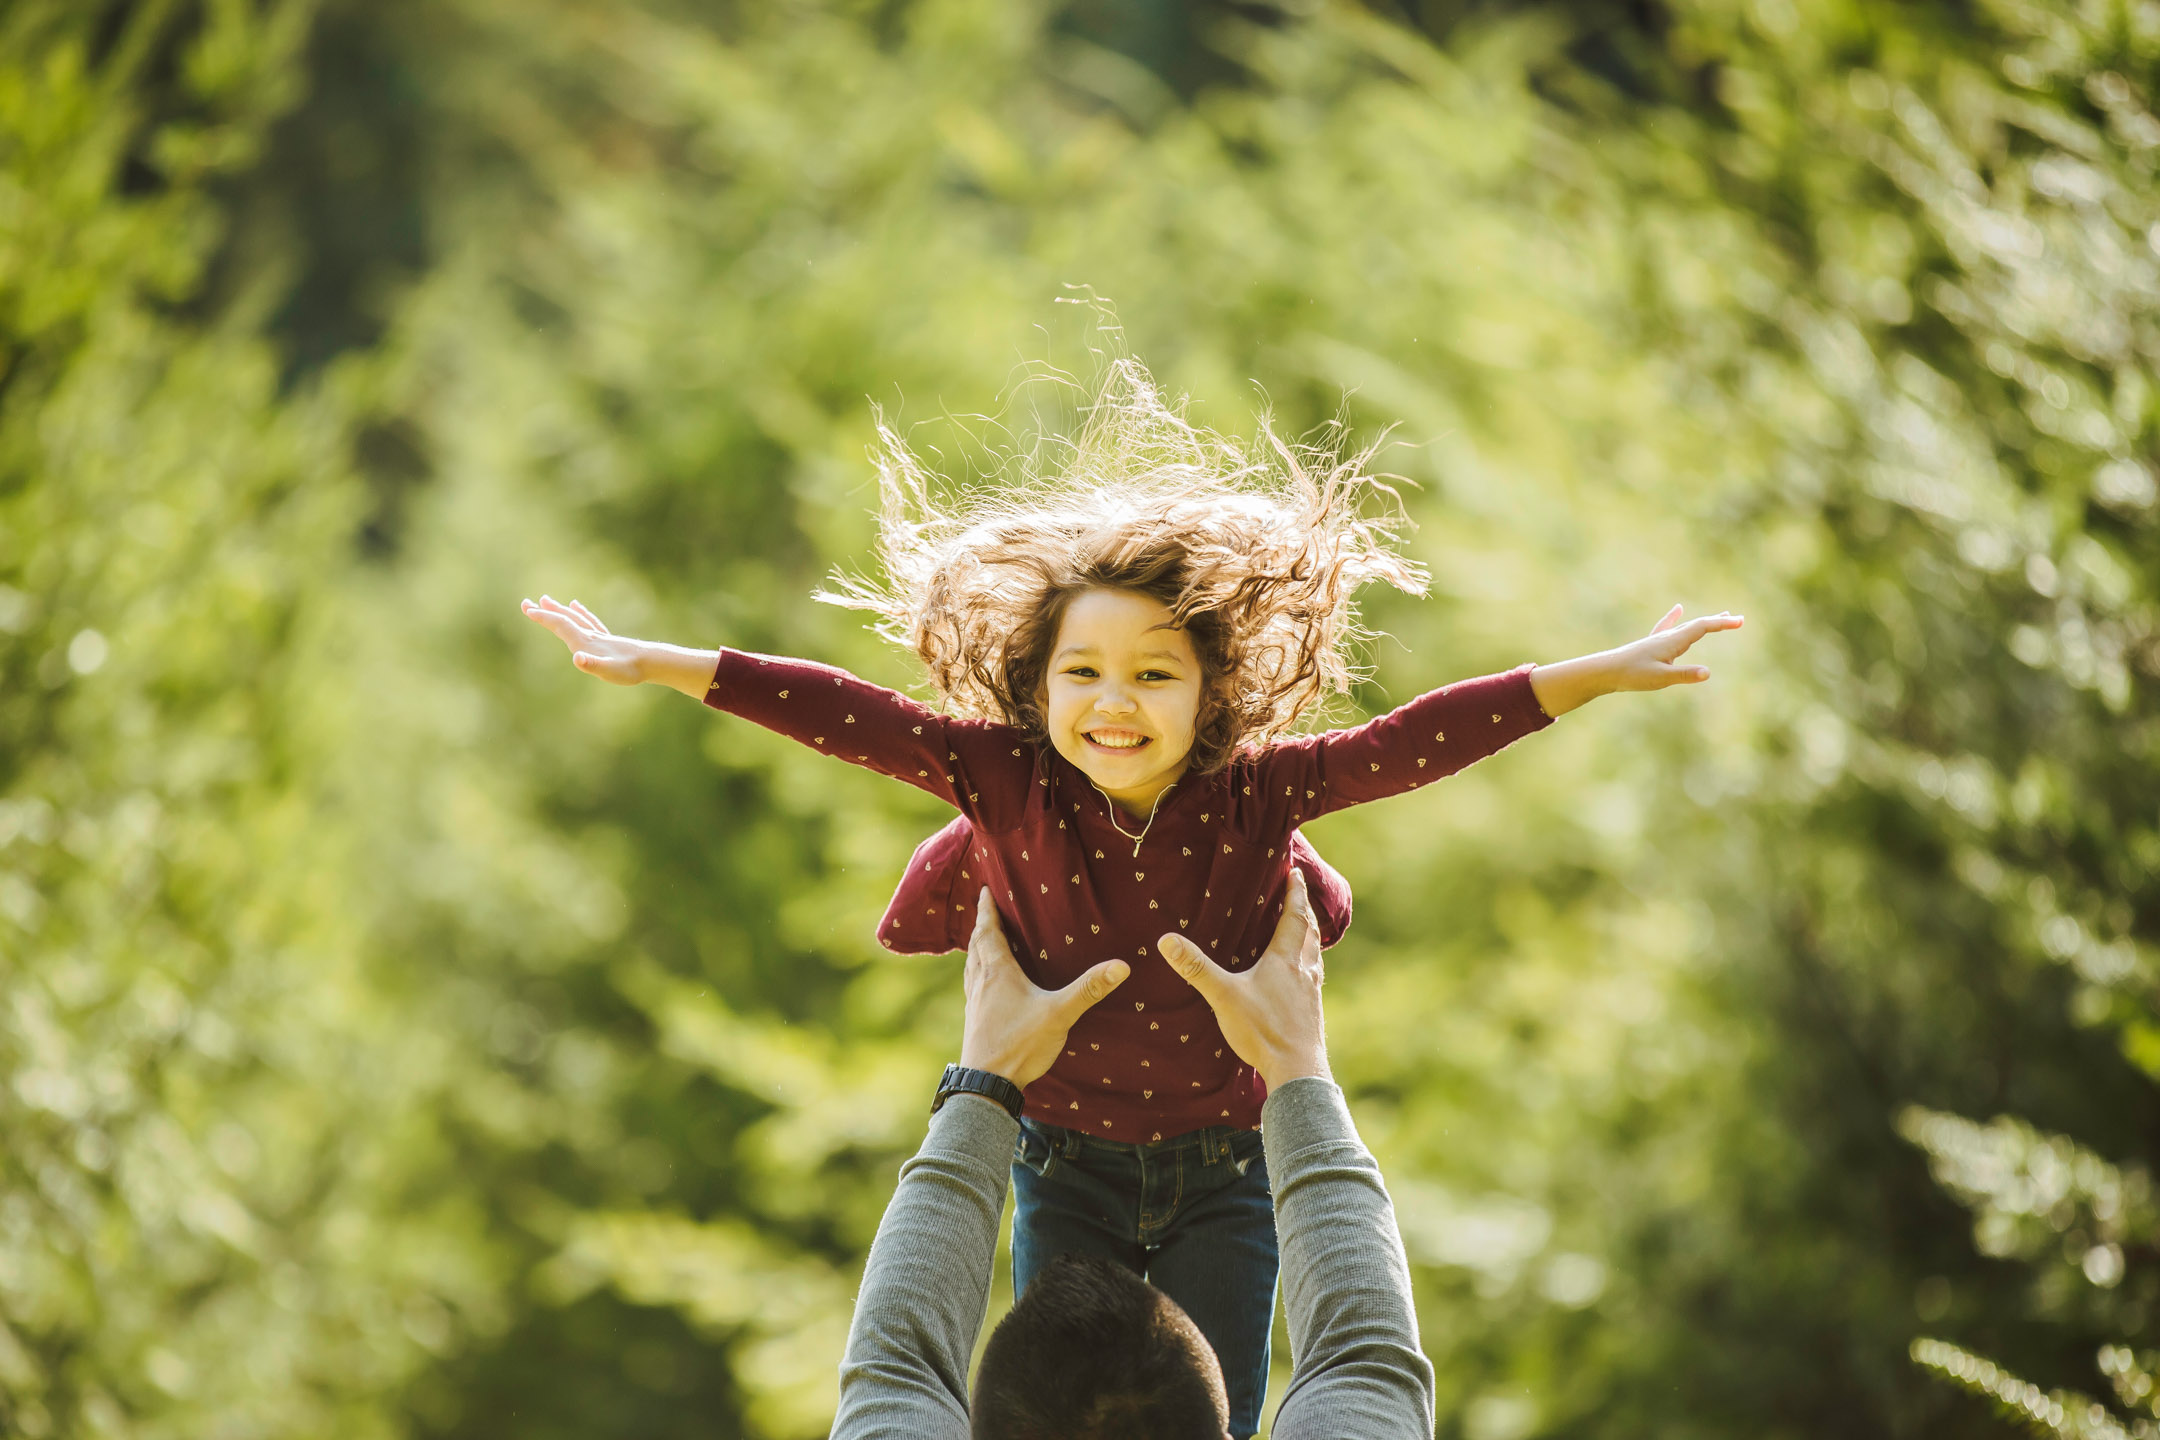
1190, 961
1300, 897
1091, 987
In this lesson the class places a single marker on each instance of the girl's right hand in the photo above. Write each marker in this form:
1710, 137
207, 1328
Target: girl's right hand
594, 649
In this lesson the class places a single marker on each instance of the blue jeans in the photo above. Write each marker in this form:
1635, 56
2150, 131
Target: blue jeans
1193, 1215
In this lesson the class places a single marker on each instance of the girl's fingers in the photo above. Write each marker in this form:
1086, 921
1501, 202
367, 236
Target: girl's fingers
1694, 630
1686, 636
562, 627
589, 618
582, 632
568, 631
1697, 628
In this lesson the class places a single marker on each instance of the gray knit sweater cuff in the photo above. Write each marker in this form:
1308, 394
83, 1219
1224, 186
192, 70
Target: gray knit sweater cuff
973, 1125
1303, 1113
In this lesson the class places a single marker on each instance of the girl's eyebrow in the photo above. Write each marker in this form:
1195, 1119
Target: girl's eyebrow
1170, 655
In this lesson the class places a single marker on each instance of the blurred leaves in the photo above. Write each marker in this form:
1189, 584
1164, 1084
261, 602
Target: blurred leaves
205, 1228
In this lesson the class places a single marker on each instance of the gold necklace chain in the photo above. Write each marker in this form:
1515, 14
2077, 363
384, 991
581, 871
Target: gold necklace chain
1111, 806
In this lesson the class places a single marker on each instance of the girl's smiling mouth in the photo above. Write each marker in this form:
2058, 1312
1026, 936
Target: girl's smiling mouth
1117, 742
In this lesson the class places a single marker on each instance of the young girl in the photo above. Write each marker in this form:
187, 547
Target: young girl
1121, 651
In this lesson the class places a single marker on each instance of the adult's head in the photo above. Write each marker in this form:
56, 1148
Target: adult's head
1092, 1350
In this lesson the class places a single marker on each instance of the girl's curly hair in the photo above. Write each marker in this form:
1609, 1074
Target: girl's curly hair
1256, 551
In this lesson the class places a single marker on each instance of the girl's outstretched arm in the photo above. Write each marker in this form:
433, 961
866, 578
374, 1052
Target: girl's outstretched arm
1443, 731
618, 659
1646, 664
960, 761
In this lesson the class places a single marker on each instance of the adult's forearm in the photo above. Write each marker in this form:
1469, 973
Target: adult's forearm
926, 1284
1356, 1366
678, 668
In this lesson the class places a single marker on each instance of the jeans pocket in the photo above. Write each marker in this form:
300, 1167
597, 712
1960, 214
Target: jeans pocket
1248, 1156
1034, 1150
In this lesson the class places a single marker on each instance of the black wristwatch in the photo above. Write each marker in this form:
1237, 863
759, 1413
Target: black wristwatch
959, 1080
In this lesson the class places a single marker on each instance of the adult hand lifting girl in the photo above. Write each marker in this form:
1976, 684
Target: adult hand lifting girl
1011, 1028
1270, 1012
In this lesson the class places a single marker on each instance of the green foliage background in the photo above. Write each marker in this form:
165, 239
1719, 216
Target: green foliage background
405, 1036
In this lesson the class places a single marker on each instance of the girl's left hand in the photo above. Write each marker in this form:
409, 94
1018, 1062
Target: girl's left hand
1650, 663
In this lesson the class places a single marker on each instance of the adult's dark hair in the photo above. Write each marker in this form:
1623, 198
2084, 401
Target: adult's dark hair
1093, 1352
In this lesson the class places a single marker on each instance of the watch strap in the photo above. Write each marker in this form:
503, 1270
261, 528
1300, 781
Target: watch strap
960, 1080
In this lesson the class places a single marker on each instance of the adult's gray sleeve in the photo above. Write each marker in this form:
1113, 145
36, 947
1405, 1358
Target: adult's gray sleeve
926, 1285
1356, 1369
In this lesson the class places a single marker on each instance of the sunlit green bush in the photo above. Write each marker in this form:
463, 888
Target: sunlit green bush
213, 1138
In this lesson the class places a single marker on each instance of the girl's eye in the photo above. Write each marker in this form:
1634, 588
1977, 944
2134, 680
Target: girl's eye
1154, 675
1083, 672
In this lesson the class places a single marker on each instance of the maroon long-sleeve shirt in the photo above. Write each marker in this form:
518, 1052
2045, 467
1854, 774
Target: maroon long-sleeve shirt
1073, 888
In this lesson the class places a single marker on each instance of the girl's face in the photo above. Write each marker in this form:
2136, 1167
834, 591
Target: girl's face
1123, 695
